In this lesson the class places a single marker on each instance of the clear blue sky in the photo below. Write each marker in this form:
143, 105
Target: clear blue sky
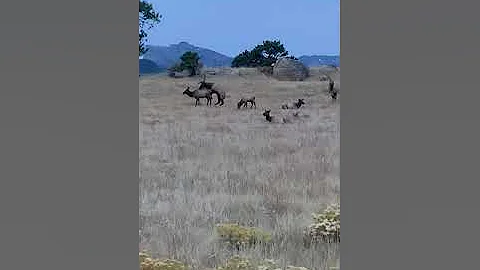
305, 27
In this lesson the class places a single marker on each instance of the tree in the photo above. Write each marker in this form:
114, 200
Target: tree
263, 55
242, 60
271, 51
190, 61
147, 19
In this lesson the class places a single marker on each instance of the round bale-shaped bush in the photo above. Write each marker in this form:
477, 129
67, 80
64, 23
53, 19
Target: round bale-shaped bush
287, 69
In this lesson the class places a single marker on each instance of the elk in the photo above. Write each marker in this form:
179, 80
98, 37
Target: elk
209, 86
198, 94
220, 96
244, 101
331, 89
295, 105
284, 120
331, 86
267, 115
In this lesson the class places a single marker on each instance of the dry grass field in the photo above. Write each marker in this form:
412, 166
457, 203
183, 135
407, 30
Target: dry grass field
200, 166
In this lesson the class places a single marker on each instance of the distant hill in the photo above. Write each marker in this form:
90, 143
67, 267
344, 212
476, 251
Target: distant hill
167, 56
320, 60
147, 66
159, 58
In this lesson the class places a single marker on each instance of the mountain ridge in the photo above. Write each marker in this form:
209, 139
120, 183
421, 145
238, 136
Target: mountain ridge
166, 56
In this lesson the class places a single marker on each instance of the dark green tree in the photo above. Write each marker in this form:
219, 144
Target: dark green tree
263, 55
147, 19
271, 51
242, 60
190, 61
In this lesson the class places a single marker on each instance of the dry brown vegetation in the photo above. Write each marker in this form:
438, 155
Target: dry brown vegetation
203, 166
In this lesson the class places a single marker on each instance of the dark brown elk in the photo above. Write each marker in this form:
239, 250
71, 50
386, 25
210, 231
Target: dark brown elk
220, 93
331, 89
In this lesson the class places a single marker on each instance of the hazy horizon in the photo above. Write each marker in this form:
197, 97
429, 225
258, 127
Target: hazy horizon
299, 31
163, 45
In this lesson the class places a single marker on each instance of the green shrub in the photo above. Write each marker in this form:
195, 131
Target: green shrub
237, 235
326, 226
149, 263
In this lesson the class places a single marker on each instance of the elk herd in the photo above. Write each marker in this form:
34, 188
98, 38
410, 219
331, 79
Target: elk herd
206, 90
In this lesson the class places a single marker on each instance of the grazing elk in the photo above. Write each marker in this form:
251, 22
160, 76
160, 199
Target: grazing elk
295, 105
245, 101
198, 94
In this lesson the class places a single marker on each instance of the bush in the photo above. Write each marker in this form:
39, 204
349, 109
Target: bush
237, 235
326, 226
242, 263
148, 263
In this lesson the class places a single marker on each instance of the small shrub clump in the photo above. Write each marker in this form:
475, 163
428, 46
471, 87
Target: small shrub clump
237, 235
242, 263
149, 263
326, 226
